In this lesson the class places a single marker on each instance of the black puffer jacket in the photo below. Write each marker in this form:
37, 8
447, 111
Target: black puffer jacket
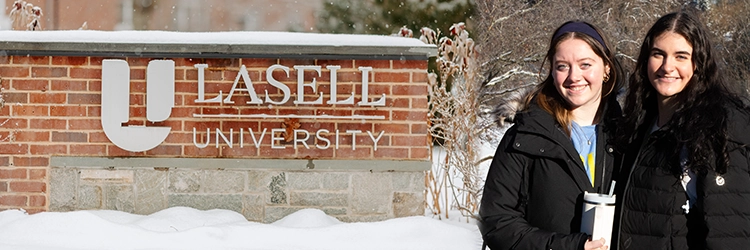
536, 155
652, 216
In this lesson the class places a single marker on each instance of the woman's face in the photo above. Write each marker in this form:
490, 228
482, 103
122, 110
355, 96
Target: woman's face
578, 73
670, 64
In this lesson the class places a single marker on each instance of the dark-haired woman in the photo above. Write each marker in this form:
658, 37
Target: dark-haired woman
557, 149
688, 157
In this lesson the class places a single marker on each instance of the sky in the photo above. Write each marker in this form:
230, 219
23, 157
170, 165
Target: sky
189, 228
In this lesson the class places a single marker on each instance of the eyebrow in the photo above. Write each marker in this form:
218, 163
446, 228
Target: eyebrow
681, 52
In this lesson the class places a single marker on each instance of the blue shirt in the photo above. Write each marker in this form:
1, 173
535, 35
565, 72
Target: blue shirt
584, 141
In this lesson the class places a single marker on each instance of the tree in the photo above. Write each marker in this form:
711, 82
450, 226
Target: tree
387, 16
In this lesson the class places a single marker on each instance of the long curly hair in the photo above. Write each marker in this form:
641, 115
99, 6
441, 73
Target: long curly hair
699, 123
550, 100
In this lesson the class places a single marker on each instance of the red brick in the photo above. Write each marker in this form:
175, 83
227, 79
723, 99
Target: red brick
32, 136
138, 61
47, 124
420, 128
85, 124
68, 85
299, 62
410, 90
137, 74
377, 112
28, 186
420, 103
47, 98
345, 151
49, 72
419, 77
417, 140
248, 150
95, 85
58, 136
223, 62
37, 200
208, 75
113, 150
30, 110
85, 73
14, 71
4, 161
345, 64
14, 148
68, 111
409, 115
99, 137
15, 173
94, 111
398, 102
17, 97
375, 64
33, 84
93, 99
89, 149
69, 60
175, 137
389, 77
375, 91
391, 153
165, 150
409, 64
3, 186
344, 126
179, 74
350, 77
419, 153
209, 151
15, 123
391, 128
314, 152
37, 174
48, 149
257, 62
96, 61
38, 60
13, 200
282, 153
186, 62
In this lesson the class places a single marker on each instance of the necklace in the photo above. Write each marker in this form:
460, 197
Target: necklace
588, 141
583, 135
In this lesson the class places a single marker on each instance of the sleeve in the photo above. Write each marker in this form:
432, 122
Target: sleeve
503, 224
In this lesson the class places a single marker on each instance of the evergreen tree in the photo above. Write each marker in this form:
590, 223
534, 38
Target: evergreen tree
388, 16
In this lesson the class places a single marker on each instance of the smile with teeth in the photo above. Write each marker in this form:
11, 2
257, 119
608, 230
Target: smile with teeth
577, 88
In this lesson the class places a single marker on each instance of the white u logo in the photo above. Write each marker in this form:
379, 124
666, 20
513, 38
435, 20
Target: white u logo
116, 103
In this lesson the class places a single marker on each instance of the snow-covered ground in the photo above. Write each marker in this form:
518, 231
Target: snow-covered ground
188, 228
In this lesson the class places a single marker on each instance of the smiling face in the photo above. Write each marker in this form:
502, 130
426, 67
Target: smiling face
670, 64
578, 73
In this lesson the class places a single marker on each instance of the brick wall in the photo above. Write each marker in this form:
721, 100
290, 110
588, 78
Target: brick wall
53, 111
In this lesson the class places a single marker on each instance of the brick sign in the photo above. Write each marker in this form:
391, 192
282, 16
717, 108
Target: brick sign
179, 112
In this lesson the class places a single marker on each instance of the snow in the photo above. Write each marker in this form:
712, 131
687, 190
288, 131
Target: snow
188, 228
222, 38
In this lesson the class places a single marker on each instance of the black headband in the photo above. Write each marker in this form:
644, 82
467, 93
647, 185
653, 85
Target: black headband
580, 27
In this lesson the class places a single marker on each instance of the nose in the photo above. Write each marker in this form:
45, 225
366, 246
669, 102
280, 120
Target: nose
667, 64
575, 74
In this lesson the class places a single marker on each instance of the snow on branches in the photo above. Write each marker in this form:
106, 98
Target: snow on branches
455, 181
25, 16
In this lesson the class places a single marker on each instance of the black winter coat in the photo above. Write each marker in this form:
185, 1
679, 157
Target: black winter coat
533, 195
652, 216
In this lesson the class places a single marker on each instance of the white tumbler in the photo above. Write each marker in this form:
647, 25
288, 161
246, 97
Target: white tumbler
598, 215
